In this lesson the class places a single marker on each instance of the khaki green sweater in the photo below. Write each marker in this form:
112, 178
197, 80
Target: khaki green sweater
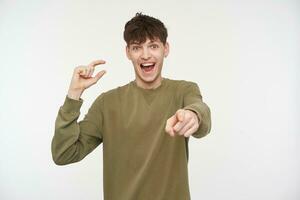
140, 160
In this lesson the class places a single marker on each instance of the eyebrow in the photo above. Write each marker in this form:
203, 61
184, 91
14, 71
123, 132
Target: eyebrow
138, 43
153, 41
135, 43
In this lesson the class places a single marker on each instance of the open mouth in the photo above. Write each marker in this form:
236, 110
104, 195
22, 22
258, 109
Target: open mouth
147, 67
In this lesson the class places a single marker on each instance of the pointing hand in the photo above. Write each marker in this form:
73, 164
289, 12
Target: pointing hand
183, 122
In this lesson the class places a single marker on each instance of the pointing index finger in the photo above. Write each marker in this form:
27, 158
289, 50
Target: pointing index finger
170, 123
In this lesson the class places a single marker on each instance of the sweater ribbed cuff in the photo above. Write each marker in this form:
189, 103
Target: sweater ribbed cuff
71, 105
203, 128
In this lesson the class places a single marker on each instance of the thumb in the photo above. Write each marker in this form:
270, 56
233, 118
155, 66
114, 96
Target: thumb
99, 75
180, 115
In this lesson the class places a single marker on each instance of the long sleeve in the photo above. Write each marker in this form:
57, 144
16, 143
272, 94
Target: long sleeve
73, 140
193, 101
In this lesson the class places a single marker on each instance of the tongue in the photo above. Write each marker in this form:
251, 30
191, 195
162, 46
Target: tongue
148, 69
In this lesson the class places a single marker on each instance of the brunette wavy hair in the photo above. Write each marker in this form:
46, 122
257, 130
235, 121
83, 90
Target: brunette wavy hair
141, 27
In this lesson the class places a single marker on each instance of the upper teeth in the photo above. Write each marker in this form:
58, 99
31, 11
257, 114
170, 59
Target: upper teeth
147, 64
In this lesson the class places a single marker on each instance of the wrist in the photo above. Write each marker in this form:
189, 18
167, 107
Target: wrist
75, 94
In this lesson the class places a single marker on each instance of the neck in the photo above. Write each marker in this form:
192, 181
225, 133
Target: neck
151, 85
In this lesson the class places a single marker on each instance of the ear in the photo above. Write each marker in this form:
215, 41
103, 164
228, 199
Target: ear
127, 52
167, 49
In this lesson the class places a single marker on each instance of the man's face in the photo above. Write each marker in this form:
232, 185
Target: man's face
147, 59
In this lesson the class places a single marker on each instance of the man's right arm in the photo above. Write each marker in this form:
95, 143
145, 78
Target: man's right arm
73, 140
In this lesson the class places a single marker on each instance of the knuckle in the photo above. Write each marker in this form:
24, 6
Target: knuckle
167, 128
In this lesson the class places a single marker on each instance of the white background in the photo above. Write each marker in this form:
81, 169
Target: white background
244, 55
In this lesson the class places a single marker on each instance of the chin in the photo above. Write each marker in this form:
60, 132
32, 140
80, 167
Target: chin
149, 79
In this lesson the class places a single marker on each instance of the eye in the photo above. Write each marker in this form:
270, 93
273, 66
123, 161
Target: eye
154, 46
134, 48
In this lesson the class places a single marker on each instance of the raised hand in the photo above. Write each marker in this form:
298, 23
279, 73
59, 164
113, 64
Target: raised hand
183, 122
82, 78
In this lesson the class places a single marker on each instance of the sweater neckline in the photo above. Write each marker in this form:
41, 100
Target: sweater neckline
150, 95
151, 90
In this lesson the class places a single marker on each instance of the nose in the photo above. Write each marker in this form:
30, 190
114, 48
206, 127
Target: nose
145, 54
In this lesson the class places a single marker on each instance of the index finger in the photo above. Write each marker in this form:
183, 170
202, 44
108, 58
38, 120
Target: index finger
170, 123
96, 62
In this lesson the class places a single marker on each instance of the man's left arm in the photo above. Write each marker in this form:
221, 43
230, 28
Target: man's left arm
193, 101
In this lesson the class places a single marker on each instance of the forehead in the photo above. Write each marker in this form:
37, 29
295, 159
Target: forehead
148, 41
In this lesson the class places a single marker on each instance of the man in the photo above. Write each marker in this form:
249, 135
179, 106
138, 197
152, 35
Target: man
144, 125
